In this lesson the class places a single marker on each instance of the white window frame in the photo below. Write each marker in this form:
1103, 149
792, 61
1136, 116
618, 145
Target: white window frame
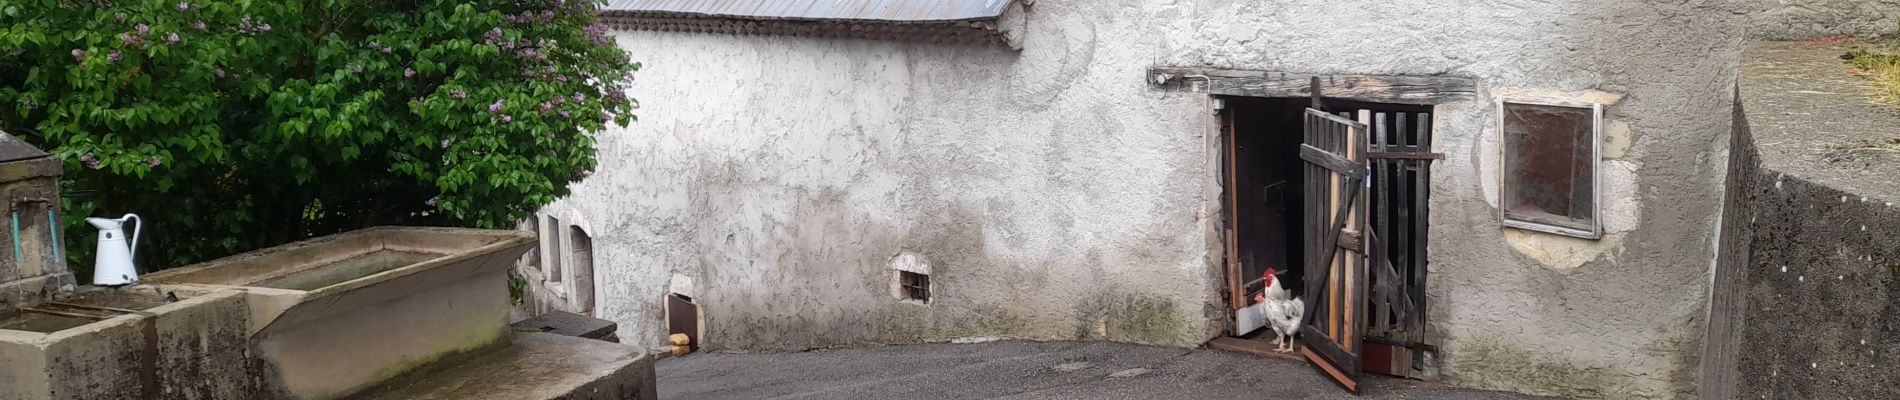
1596, 169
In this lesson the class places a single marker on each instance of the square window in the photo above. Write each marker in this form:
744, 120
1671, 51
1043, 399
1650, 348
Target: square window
914, 286
1549, 166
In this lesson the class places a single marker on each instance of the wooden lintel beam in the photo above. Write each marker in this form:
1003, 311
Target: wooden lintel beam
1401, 89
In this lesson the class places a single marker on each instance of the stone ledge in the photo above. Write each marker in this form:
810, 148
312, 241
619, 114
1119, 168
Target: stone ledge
1803, 106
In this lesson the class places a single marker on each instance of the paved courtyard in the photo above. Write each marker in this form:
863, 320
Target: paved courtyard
1018, 370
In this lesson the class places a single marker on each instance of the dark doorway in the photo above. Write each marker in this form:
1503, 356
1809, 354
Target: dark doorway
1267, 197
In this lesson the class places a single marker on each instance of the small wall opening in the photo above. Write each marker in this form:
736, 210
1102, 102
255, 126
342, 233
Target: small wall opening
915, 286
682, 318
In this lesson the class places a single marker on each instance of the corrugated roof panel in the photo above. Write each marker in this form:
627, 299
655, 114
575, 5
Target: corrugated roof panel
859, 10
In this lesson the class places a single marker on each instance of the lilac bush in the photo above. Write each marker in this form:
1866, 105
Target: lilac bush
249, 123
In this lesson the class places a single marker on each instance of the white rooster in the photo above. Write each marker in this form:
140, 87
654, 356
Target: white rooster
1282, 313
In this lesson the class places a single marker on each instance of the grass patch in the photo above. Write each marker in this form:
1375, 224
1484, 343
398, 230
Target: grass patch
1882, 70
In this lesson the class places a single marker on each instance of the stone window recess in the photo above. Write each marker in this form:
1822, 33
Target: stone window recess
551, 243
910, 277
1549, 166
581, 257
533, 258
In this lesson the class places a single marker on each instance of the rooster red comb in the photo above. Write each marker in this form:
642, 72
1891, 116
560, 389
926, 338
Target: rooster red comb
1270, 272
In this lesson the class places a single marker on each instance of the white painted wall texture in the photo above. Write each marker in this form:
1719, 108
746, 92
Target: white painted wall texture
1055, 194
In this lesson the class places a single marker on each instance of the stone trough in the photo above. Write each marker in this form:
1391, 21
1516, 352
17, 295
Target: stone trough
335, 315
101, 343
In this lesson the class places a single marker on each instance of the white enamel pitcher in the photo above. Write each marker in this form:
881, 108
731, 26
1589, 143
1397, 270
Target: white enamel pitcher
113, 265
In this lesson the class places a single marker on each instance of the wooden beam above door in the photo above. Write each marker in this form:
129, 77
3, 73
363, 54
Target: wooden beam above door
1401, 89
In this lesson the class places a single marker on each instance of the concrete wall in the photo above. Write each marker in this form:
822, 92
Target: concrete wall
1807, 19
1056, 195
1805, 304
1823, 278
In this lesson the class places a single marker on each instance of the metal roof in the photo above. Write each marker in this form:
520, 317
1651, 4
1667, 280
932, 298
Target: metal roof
854, 10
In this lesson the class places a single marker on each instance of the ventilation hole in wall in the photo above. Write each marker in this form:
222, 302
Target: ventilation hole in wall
915, 286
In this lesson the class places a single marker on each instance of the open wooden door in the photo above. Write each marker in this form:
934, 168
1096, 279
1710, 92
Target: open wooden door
1335, 175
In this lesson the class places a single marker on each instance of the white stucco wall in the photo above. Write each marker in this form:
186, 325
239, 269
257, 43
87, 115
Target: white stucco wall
1055, 194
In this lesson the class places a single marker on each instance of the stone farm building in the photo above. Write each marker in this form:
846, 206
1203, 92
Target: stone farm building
1508, 194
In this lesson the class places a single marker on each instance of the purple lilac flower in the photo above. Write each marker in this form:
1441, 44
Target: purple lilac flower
387, 49
549, 70
119, 17
375, 46
527, 72
433, 200
356, 68
545, 107
153, 161
127, 38
263, 27
172, 38
200, 25
493, 35
564, 114
89, 160
143, 30
408, 73
458, 95
446, 143
559, 100
218, 71
495, 108
580, 98
547, 15
182, 6
506, 119
560, 78
597, 33
114, 56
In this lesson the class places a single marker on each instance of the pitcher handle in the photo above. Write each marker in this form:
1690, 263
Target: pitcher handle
135, 234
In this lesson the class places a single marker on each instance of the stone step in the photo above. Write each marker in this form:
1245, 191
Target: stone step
537, 366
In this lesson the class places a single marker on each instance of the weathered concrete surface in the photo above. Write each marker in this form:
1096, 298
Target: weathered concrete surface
347, 335
1057, 195
29, 180
1019, 370
201, 353
1808, 114
1807, 19
1818, 287
537, 366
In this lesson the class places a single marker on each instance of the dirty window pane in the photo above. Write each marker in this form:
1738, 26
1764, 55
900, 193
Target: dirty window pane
1549, 166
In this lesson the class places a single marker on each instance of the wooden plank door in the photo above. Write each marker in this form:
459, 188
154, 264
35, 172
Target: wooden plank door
1400, 156
1335, 153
